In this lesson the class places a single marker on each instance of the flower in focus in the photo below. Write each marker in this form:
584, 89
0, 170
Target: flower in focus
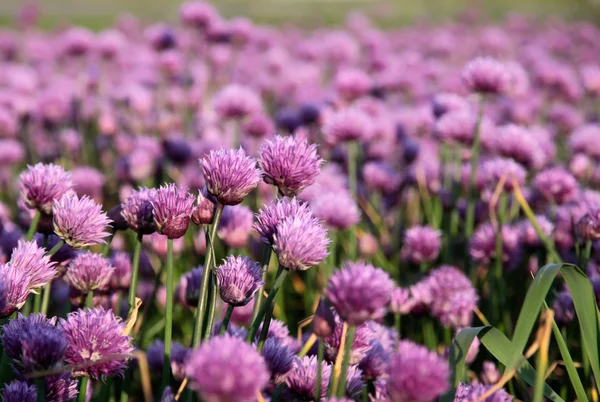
227, 369
42, 184
79, 222
421, 244
139, 212
486, 75
235, 225
279, 358
204, 211
302, 379
348, 287
289, 163
89, 271
300, 242
19, 391
32, 259
238, 279
172, 210
96, 342
270, 215
14, 289
230, 175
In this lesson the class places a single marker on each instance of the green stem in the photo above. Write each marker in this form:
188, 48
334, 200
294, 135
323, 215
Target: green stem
56, 247
46, 299
34, 225
226, 319
203, 297
398, 323
89, 300
83, 389
106, 248
320, 354
470, 219
40, 386
134, 273
37, 301
259, 296
498, 296
212, 306
279, 279
341, 391
168, 317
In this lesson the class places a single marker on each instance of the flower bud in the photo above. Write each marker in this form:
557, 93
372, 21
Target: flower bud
204, 211
323, 322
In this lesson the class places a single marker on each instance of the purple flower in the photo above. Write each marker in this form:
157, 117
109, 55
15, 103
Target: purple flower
588, 227
270, 215
400, 301
258, 126
529, 234
61, 388
518, 143
454, 297
19, 391
347, 125
337, 209
489, 373
362, 343
236, 101
41, 349
494, 169
279, 331
79, 222
584, 140
486, 75
121, 277
230, 175
564, 307
289, 163
96, 344
379, 176
12, 152
279, 358
168, 395
483, 244
457, 126
88, 181
238, 279
375, 362
300, 242
474, 391
198, 14
190, 284
421, 244
348, 289
302, 379
139, 212
89, 271
204, 211
235, 225
42, 184
30, 258
556, 185
352, 83
354, 382
416, 374
179, 358
227, 369
14, 290
20, 339
172, 210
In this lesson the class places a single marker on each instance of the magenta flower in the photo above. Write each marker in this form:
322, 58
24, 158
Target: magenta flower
457, 126
32, 259
121, 277
289, 163
230, 175
337, 210
486, 75
351, 83
227, 369
556, 185
204, 211
363, 341
42, 184
172, 210
89, 271
18, 333
14, 289
379, 176
483, 244
348, 287
79, 222
96, 344
198, 14
279, 358
235, 225
270, 215
238, 278
400, 301
302, 379
494, 169
422, 244
454, 297
348, 125
474, 391
236, 101
300, 242
139, 212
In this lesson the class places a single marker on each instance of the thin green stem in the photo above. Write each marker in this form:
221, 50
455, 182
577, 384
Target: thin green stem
398, 323
265, 328
341, 391
279, 279
40, 386
37, 301
134, 273
226, 319
168, 317
470, 219
203, 297
259, 296
106, 248
46, 298
212, 306
320, 354
83, 389
34, 225
89, 299
56, 247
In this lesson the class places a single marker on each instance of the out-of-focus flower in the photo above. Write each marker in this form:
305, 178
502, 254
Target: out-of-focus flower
474, 391
352, 83
302, 379
235, 225
400, 301
12, 152
556, 185
347, 125
32, 259
121, 277
421, 244
529, 234
19, 391
79, 222
89, 271
172, 210
189, 286
454, 297
139, 212
42, 184
337, 209
238, 278
483, 244
486, 75
198, 14
236, 101
375, 363
583, 140
564, 307
279, 358
379, 176
179, 358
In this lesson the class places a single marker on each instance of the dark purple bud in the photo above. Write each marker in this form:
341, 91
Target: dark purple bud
45, 224
309, 113
588, 227
177, 150
204, 211
411, 151
115, 215
288, 120
323, 322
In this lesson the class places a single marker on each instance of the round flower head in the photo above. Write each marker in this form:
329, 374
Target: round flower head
121, 277
300, 242
416, 374
139, 212
18, 333
79, 222
230, 175
518, 143
198, 14
421, 244
379, 176
238, 278
363, 341
278, 330
42, 349
352, 83
32, 259
348, 287
457, 126
289, 163
584, 140
529, 234
269, 216
302, 379
495, 169
179, 357
236, 101
19, 391
454, 297
347, 125
172, 210
279, 359
189, 286
89, 271
375, 363
42, 184
474, 391
96, 342
12, 152
486, 75
61, 387
227, 369
483, 244
556, 185
14, 290
400, 301
337, 210
235, 225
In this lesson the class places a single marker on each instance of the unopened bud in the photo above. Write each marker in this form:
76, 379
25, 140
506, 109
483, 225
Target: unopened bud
204, 212
588, 227
118, 221
323, 323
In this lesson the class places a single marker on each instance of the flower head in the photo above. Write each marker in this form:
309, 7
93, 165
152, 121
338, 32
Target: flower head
379, 176
19, 391
416, 374
400, 301
348, 125
179, 358
172, 210
230, 175
96, 342
454, 297
270, 215
236, 101
227, 369
375, 363
497, 168
42, 184
89, 271
190, 284
421, 244
348, 287
474, 391
556, 185
204, 211
486, 75
302, 379
121, 277
238, 278
457, 126
289, 163
300, 242
235, 225
279, 359
32, 259
139, 212
363, 341
483, 244
79, 222
14, 289
337, 209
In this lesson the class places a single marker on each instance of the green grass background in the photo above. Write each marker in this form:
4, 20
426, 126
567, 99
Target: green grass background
98, 13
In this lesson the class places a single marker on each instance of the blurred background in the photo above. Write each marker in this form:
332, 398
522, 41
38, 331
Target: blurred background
99, 13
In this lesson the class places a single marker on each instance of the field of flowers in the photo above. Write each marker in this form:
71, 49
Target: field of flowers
221, 211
